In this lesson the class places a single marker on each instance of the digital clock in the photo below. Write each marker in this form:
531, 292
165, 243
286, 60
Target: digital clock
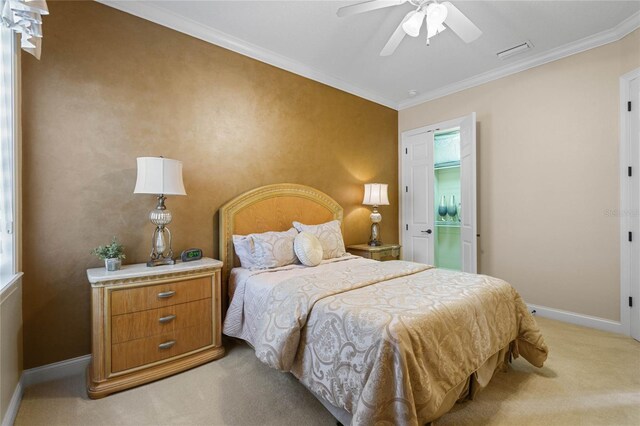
191, 254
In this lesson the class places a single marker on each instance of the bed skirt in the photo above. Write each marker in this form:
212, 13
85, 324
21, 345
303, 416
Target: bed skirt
467, 390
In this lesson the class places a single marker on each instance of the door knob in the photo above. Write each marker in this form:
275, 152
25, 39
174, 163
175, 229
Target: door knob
428, 231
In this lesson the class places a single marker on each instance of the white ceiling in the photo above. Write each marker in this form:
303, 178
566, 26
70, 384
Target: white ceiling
308, 38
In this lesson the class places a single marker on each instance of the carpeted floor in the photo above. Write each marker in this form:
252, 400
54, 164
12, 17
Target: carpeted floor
591, 377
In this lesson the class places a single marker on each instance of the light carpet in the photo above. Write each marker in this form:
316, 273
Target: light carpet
591, 377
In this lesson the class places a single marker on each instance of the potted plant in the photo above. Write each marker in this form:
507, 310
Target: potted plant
112, 255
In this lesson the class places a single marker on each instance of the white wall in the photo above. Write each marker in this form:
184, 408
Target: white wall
548, 176
10, 343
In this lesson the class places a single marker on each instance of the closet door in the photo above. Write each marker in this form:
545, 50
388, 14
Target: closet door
417, 194
468, 227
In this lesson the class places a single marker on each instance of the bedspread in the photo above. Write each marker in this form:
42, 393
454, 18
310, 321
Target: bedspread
387, 341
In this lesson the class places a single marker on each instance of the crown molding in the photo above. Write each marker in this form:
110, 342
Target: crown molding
195, 29
608, 36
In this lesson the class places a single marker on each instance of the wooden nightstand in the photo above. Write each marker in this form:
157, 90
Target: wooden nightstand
149, 323
383, 252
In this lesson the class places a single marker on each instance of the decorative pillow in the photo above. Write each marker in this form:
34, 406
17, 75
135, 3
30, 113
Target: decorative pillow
274, 249
308, 249
330, 237
243, 247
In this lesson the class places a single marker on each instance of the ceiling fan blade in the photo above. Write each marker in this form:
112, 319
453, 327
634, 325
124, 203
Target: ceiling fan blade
367, 6
460, 24
396, 38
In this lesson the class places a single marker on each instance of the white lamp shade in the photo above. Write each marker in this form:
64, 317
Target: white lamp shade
412, 25
160, 176
436, 15
375, 194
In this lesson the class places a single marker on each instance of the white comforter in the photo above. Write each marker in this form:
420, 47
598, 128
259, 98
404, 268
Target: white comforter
386, 341
249, 290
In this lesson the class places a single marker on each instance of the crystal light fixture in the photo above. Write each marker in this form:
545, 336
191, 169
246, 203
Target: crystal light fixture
160, 176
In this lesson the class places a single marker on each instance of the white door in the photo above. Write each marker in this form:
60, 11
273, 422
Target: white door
417, 196
468, 234
634, 162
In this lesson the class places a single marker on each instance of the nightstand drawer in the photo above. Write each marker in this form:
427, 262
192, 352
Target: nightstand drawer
135, 353
152, 322
160, 295
388, 254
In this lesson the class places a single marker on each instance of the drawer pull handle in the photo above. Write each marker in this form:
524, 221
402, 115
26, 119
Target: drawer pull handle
167, 319
167, 345
166, 294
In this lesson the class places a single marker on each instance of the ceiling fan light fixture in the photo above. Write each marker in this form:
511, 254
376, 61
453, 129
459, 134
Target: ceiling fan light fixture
432, 30
436, 14
413, 24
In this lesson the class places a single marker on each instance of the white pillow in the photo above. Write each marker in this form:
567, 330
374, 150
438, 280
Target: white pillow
274, 249
330, 236
265, 250
243, 247
308, 249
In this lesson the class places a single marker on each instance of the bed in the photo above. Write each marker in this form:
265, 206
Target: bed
376, 342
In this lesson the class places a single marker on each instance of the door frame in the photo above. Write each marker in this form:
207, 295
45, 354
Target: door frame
454, 122
627, 288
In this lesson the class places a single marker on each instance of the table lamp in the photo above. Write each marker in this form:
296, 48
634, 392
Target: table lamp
160, 176
375, 194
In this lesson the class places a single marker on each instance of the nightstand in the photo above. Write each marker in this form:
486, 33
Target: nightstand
152, 322
383, 252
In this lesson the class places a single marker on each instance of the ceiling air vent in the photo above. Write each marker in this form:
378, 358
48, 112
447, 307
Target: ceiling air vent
515, 50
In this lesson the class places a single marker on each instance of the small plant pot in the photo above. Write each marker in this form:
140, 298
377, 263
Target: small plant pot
112, 264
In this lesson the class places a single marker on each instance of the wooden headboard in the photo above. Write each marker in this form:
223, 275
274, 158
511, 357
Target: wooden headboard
270, 208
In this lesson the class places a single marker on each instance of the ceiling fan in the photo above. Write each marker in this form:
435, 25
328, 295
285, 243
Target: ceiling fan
436, 15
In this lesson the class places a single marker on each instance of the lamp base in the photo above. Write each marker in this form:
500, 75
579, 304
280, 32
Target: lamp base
374, 241
376, 218
160, 262
161, 253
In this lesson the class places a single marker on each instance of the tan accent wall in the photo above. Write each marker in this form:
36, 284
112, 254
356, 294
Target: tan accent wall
127, 88
548, 170
10, 343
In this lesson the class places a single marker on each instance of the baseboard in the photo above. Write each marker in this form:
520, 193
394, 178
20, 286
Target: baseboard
57, 370
578, 319
12, 410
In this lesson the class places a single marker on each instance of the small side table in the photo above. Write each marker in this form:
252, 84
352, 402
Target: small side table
382, 253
